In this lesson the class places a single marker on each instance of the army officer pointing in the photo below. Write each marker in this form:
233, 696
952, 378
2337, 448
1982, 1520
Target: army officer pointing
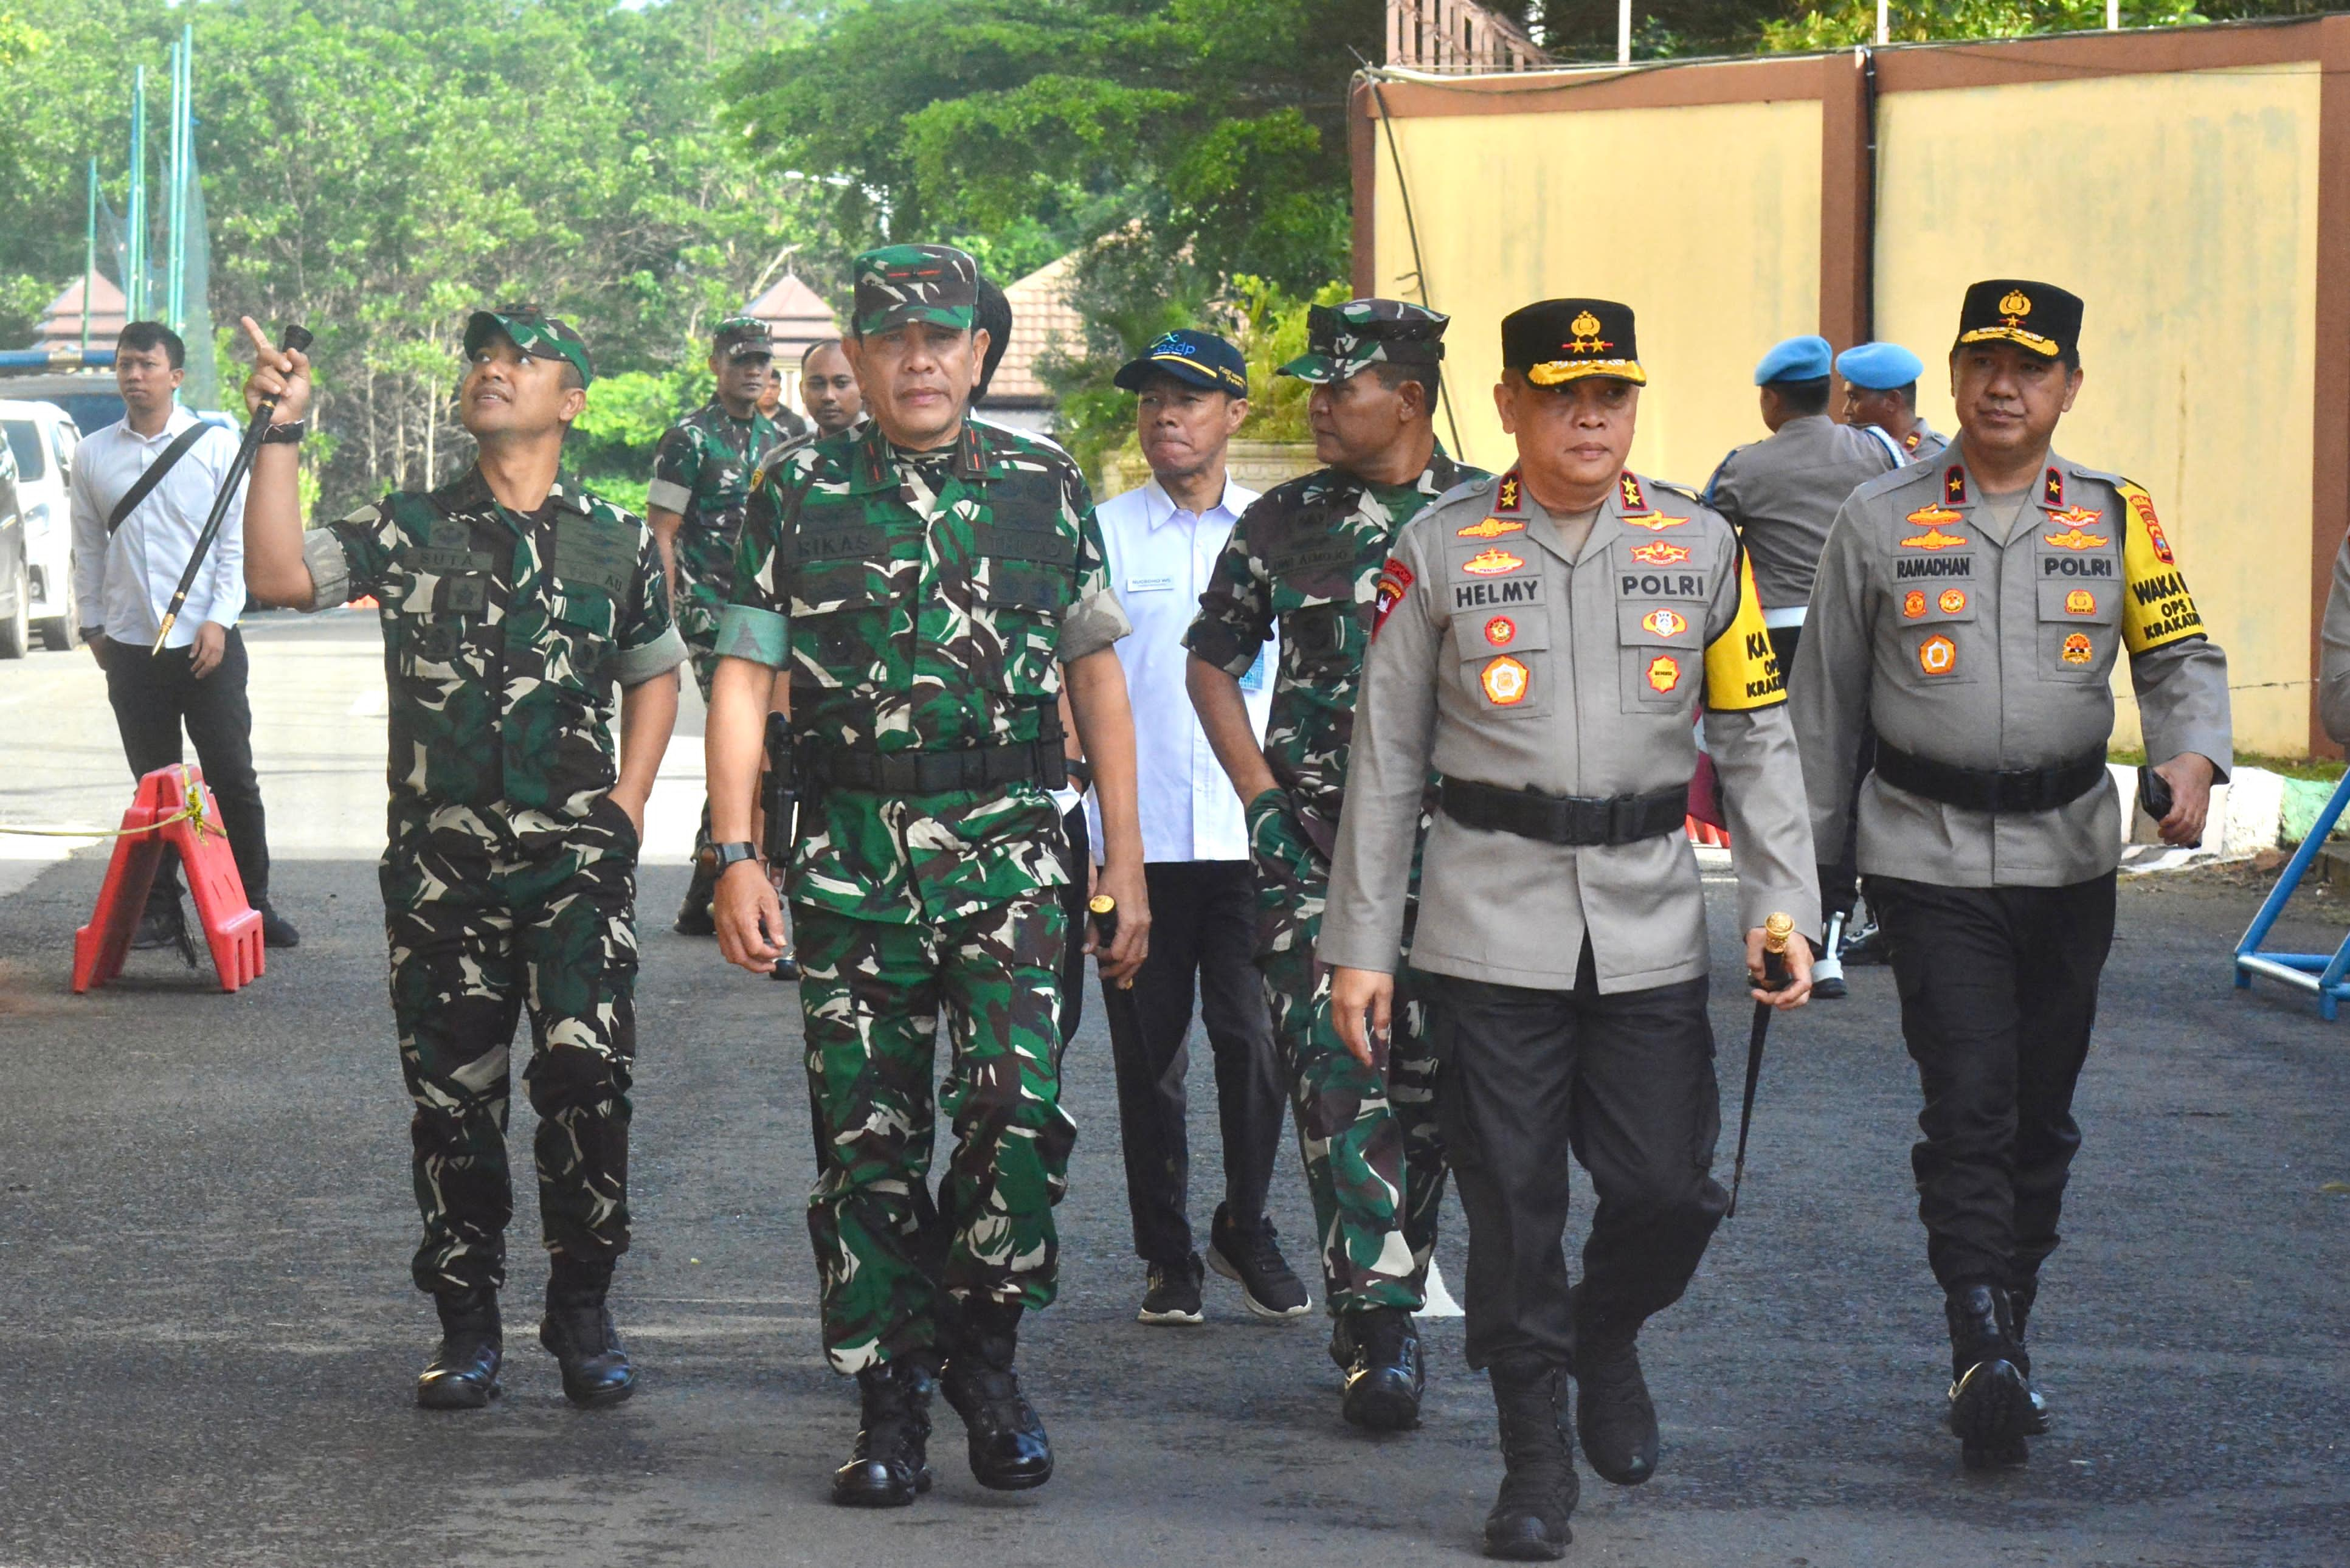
1545, 641
1972, 608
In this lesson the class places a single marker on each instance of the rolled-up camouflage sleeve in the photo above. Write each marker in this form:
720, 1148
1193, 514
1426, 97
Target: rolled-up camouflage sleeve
677, 464
1095, 619
756, 623
350, 559
1236, 612
647, 638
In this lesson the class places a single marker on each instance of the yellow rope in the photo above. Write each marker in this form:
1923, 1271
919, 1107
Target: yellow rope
191, 795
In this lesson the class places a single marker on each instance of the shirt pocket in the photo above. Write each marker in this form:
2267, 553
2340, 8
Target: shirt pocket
1321, 639
2078, 617
1659, 655
581, 621
1504, 660
430, 636
838, 622
1941, 633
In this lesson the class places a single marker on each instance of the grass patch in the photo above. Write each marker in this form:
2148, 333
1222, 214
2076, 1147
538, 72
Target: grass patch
2325, 770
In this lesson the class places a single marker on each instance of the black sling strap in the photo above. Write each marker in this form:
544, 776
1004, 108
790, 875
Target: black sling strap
154, 475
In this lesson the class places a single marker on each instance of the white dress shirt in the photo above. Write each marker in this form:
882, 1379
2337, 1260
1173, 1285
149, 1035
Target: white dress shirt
125, 584
1160, 561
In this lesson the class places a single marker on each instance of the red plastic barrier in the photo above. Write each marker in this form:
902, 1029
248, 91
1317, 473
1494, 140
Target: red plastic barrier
176, 798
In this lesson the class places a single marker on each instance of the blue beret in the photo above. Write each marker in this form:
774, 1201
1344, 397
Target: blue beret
1796, 360
1879, 366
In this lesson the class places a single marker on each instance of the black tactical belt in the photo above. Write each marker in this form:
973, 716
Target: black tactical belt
1565, 819
2011, 789
936, 773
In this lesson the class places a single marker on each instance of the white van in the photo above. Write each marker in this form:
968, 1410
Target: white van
42, 438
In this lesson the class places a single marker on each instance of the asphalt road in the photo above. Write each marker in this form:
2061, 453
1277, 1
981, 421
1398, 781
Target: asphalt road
207, 1338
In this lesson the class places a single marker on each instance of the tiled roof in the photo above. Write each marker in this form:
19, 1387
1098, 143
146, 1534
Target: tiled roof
1041, 317
61, 321
795, 315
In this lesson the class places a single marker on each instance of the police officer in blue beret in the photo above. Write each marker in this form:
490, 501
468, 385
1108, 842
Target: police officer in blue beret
1880, 389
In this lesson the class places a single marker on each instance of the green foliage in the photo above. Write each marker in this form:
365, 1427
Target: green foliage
612, 445
1849, 22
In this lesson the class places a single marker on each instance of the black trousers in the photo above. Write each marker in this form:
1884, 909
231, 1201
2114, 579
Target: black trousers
1202, 930
1999, 992
1627, 1082
1073, 904
152, 696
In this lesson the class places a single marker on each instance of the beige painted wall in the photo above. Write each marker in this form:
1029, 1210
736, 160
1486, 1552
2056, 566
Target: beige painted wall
1704, 220
2184, 210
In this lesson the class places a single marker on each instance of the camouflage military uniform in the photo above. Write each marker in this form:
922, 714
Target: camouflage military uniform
509, 877
702, 472
1307, 556
924, 604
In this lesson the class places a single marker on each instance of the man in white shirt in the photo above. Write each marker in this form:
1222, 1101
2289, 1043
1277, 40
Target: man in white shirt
1162, 543
124, 574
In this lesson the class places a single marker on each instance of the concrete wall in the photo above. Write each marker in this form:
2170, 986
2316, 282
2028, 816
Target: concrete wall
2183, 209
1704, 219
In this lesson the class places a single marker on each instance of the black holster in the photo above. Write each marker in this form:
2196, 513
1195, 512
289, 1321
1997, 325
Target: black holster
779, 792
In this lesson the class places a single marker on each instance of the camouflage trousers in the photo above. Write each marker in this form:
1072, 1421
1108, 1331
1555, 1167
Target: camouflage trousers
1374, 1159
489, 916
894, 1262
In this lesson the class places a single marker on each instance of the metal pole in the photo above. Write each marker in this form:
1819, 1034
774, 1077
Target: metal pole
172, 193
1623, 32
89, 255
1884, 22
2112, 15
134, 263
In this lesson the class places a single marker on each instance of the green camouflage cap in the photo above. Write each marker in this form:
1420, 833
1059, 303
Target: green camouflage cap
898, 283
1342, 339
534, 332
740, 335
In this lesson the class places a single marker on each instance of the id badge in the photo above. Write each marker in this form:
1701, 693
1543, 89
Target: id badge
1260, 672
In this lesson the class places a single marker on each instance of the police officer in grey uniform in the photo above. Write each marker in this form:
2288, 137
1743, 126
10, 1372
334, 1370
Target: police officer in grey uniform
1781, 494
1543, 640
2333, 661
1973, 609
1880, 389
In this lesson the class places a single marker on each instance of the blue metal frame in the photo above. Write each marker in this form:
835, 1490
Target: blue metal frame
2326, 976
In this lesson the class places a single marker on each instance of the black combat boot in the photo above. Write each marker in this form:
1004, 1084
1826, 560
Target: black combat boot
890, 1465
1990, 1400
2019, 1308
577, 1331
1539, 1487
463, 1373
693, 918
1009, 1450
1380, 1350
1613, 1413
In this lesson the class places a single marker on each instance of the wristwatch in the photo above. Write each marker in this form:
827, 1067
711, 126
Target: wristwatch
287, 434
722, 856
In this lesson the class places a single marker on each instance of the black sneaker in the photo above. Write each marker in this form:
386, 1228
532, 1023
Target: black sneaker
1252, 1259
276, 930
165, 925
1170, 1294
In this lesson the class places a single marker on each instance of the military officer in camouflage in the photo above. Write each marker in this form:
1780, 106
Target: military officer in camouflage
932, 585
701, 477
1546, 641
512, 607
1307, 557
1973, 609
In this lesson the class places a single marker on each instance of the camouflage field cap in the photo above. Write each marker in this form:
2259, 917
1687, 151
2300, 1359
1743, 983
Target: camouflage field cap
534, 332
1341, 340
898, 283
741, 336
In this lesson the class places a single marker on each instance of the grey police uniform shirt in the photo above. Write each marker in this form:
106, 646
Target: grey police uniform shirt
2333, 661
1983, 648
1503, 661
1923, 442
1781, 494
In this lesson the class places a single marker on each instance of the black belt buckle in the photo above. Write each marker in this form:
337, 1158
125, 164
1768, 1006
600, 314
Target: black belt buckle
1624, 818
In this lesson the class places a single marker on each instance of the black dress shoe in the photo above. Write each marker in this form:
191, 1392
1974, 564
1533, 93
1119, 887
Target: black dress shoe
577, 1331
1539, 1487
1009, 1450
463, 1373
890, 1467
276, 930
1991, 1410
1383, 1370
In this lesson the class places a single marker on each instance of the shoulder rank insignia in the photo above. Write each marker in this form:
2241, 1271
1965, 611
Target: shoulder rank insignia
1491, 528
1954, 486
1660, 554
1654, 522
1629, 488
1507, 496
2052, 490
1491, 562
